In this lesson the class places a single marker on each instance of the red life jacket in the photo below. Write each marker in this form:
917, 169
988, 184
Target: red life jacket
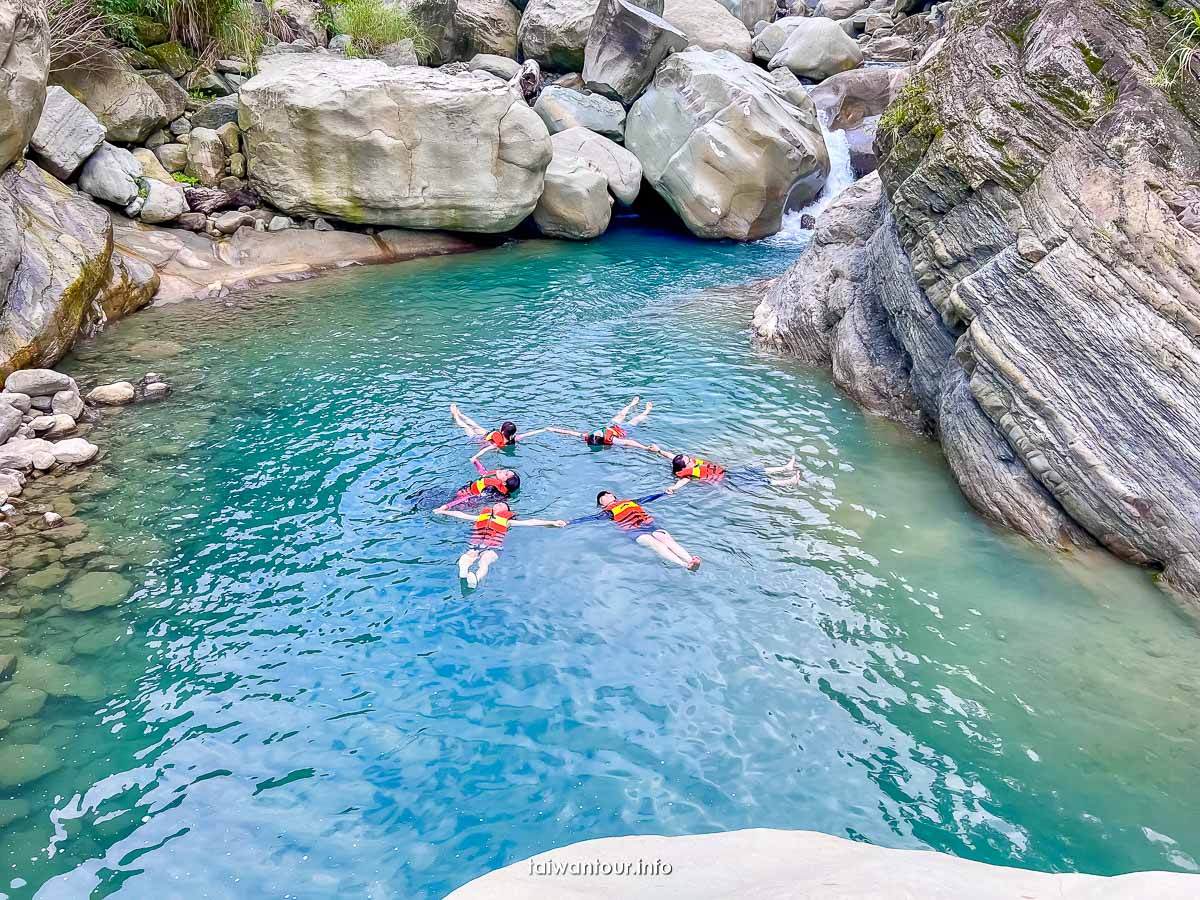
704, 471
496, 439
485, 481
628, 514
490, 528
604, 437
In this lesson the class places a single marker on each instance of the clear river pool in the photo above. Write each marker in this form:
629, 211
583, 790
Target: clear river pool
299, 699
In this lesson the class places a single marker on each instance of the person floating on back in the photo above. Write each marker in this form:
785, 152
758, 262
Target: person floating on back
490, 527
632, 518
687, 469
499, 483
615, 433
499, 439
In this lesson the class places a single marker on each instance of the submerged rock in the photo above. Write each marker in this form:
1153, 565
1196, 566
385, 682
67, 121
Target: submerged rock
429, 150
19, 701
23, 763
96, 589
725, 146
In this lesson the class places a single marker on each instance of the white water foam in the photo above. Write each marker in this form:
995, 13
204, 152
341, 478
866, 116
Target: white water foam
841, 176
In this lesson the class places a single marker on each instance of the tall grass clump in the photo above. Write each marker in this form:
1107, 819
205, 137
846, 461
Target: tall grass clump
1184, 46
373, 25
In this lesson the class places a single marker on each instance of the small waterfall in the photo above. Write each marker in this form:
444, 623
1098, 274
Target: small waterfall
841, 176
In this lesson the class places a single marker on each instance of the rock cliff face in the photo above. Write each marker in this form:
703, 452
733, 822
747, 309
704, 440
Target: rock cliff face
1024, 280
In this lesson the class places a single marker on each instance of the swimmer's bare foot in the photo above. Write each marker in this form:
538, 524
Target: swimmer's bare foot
791, 463
472, 581
694, 564
649, 406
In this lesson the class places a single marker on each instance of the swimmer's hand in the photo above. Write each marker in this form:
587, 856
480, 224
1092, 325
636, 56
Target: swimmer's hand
672, 489
560, 523
654, 448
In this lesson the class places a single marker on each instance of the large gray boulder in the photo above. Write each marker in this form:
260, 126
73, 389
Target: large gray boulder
413, 147
555, 32
771, 39
709, 25
1037, 260
816, 49
575, 204
126, 105
625, 46
724, 146
486, 26
562, 108
620, 167
111, 174
840, 9
174, 98
66, 134
55, 248
850, 97
163, 202
751, 12
216, 113
24, 62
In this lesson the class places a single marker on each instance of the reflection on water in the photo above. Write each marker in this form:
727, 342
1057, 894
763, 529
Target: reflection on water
300, 700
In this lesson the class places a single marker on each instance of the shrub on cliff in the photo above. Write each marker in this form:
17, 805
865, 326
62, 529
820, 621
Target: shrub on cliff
373, 25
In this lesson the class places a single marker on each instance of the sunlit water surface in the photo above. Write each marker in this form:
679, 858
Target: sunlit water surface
299, 700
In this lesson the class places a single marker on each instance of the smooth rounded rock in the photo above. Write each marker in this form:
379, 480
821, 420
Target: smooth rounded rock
575, 204
74, 451
24, 763
37, 382
118, 393
96, 589
619, 166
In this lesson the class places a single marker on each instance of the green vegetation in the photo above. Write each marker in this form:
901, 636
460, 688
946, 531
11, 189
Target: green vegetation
1093, 62
373, 25
1020, 31
189, 180
88, 30
911, 113
1184, 47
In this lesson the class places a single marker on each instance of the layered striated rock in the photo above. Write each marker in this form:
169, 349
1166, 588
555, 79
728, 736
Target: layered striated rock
24, 62
751, 12
1039, 270
55, 247
725, 146
367, 143
67, 133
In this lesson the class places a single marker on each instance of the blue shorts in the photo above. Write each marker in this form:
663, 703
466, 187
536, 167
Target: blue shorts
639, 530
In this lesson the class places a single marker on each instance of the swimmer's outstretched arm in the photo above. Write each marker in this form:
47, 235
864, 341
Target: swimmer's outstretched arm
487, 448
682, 482
545, 523
443, 511
528, 434
567, 431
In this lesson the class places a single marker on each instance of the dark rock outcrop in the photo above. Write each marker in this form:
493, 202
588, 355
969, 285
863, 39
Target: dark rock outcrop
1038, 263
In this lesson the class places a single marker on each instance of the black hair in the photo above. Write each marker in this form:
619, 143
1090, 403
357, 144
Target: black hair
679, 463
601, 494
508, 429
513, 483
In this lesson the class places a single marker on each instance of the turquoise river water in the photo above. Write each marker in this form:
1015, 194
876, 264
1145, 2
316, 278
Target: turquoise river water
299, 699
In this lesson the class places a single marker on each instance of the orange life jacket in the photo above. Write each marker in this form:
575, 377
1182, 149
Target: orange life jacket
704, 471
496, 439
604, 437
628, 514
487, 480
490, 528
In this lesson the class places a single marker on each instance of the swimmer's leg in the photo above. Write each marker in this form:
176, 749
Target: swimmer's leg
642, 416
787, 482
486, 558
464, 565
620, 416
467, 424
787, 468
675, 547
650, 542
